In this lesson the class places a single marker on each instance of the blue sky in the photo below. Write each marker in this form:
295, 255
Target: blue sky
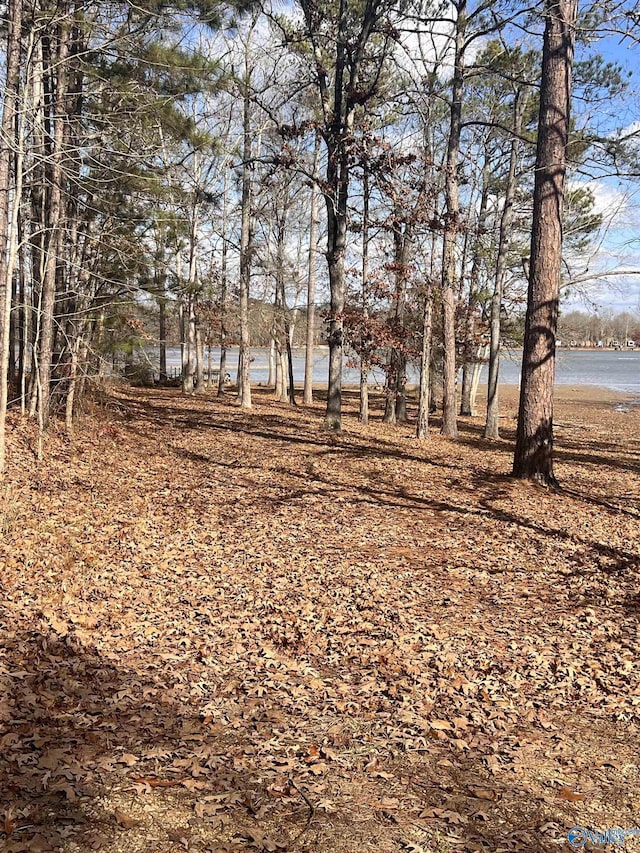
617, 248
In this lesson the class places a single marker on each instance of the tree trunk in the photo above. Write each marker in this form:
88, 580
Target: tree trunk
434, 384
364, 337
452, 227
288, 336
57, 68
246, 241
279, 375
340, 91
282, 367
282, 324
481, 356
200, 387
189, 372
72, 275
271, 380
223, 292
71, 392
162, 322
401, 395
395, 407
160, 288
8, 220
25, 317
14, 332
239, 369
193, 368
292, 388
422, 428
491, 428
182, 322
244, 387
336, 249
470, 345
533, 458
336, 197
311, 281
38, 227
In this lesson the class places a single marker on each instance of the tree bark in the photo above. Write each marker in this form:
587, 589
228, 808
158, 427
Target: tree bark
339, 98
491, 429
192, 379
57, 68
162, 324
223, 292
278, 387
422, 428
8, 221
364, 337
452, 226
311, 281
38, 229
533, 458
25, 316
201, 386
282, 325
470, 345
271, 379
395, 409
246, 239
189, 371
160, 287
337, 176
292, 388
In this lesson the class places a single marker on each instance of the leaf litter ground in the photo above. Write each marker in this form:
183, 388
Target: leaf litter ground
230, 631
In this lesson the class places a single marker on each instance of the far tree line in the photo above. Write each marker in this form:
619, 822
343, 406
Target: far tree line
394, 178
601, 328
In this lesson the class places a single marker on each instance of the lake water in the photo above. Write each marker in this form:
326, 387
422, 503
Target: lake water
618, 370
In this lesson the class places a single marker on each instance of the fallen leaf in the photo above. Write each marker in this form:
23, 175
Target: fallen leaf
441, 725
124, 820
484, 794
570, 796
180, 836
9, 823
155, 783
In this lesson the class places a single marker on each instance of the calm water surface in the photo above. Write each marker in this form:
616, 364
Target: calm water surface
617, 370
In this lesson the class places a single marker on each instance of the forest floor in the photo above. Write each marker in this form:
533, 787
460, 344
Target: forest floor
230, 631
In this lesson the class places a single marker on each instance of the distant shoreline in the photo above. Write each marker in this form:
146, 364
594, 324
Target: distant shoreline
561, 390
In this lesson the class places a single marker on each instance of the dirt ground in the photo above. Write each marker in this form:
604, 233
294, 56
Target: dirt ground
230, 631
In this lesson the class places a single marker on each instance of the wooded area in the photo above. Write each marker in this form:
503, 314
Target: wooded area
290, 615
162, 169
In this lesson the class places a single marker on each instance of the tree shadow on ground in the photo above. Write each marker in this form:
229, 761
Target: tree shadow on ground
95, 756
602, 454
274, 428
483, 485
483, 489
77, 728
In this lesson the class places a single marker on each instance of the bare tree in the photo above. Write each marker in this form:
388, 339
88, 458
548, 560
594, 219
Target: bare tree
311, 281
491, 429
452, 227
347, 67
246, 230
